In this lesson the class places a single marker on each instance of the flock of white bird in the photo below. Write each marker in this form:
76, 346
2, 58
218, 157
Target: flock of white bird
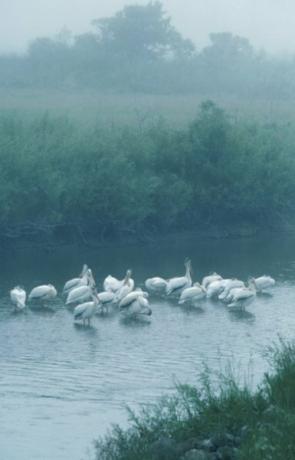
81, 292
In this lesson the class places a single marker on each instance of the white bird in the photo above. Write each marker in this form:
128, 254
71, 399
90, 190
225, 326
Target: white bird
135, 304
131, 296
177, 284
18, 298
210, 278
82, 293
76, 282
86, 310
127, 286
113, 284
216, 287
105, 299
192, 294
156, 285
43, 292
232, 293
263, 283
234, 283
241, 297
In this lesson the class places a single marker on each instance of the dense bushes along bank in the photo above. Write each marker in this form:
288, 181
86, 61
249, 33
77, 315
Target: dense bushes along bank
144, 179
205, 424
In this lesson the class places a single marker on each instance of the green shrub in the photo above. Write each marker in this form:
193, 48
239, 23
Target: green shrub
259, 424
145, 178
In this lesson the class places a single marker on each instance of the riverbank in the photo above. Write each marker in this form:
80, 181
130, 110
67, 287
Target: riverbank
218, 420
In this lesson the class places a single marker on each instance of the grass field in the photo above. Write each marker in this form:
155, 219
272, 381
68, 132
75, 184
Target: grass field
91, 106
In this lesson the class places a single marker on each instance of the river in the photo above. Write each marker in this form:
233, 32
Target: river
61, 385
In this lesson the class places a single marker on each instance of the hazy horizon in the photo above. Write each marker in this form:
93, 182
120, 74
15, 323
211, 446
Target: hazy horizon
267, 25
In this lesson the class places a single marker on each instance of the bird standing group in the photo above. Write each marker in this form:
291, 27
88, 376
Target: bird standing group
231, 291
81, 292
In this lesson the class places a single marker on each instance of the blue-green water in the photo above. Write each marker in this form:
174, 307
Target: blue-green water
62, 385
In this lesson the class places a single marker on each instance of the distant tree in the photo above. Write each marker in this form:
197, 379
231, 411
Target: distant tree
229, 63
86, 47
48, 62
65, 36
142, 32
226, 46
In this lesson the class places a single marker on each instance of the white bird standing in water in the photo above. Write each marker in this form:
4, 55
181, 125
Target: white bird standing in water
209, 279
241, 297
217, 287
105, 298
126, 288
177, 284
76, 282
263, 283
156, 285
18, 298
82, 293
135, 304
231, 284
86, 310
114, 285
43, 292
192, 294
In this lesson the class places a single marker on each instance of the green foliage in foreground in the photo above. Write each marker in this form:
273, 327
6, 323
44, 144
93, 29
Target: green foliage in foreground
146, 178
263, 421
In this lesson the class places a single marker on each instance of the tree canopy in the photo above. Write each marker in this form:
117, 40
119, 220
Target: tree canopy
143, 32
139, 50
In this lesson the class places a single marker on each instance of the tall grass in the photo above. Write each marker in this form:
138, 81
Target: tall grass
90, 106
238, 423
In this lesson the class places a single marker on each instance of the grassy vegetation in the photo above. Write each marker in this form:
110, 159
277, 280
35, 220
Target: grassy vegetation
228, 422
145, 178
89, 106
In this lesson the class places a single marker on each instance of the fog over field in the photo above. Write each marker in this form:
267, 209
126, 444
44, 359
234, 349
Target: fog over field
268, 24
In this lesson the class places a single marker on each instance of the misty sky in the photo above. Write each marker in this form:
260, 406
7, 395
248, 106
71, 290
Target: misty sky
269, 24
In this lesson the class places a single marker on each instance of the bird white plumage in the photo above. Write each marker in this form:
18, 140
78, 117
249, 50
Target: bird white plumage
79, 294
111, 284
114, 285
76, 282
156, 285
82, 293
43, 292
177, 284
241, 297
216, 287
210, 278
105, 299
192, 294
18, 298
127, 286
86, 310
131, 296
234, 283
135, 304
263, 283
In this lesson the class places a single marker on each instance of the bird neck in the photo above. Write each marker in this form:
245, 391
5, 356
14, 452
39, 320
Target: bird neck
127, 280
188, 272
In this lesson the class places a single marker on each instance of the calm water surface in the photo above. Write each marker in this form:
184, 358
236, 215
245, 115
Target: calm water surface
62, 385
